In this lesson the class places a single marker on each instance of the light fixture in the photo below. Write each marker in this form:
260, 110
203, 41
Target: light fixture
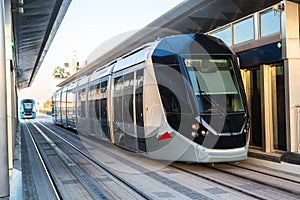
279, 7
17, 6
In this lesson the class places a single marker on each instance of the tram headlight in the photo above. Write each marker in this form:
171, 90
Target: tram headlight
194, 134
196, 126
204, 133
247, 128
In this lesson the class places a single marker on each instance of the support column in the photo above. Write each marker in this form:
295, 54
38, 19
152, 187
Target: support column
291, 32
9, 85
268, 108
4, 176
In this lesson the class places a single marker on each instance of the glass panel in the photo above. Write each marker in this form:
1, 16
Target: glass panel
280, 137
81, 112
118, 85
93, 109
97, 100
127, 106
127, 103
172, 89
81, 106
118, 115
70, 108
58, 104
103, 108
91, 102
139, 98
224, 34
28, 106
139, 82
256, 118
269, 23
63, 105
244, 30
213, 81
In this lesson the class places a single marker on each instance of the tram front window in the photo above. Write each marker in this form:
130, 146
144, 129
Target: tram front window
27, 105
214, 83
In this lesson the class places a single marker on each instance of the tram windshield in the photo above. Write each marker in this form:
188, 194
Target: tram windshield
27, 105
214, 82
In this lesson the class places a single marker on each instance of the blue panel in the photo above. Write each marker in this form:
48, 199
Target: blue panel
261, 55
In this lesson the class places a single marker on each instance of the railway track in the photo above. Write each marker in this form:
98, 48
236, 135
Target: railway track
150, 179
138, 169
54, 193
258, 182
89, 185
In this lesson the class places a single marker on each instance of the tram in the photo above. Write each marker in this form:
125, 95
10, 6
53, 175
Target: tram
27, 109
179, 98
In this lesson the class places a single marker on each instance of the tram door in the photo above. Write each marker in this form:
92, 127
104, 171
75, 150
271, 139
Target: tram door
128, 111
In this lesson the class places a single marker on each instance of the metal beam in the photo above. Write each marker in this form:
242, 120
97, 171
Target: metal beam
4, 175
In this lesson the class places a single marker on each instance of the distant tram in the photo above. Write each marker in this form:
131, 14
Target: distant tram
27, 109
178, 98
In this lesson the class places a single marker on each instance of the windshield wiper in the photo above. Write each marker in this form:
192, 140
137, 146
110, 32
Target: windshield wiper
211, 101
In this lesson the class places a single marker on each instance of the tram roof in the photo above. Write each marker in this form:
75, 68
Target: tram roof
33, 32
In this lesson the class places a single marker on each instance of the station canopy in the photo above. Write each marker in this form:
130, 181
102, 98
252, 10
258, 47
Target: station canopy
191, 16
33, 32
35, 29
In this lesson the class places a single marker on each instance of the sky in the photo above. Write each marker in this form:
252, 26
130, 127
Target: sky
86, 25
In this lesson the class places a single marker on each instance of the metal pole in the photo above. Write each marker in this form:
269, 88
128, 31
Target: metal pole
4, 175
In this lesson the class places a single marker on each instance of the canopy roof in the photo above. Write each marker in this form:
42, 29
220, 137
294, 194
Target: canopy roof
191, 16
35, 29
33, 32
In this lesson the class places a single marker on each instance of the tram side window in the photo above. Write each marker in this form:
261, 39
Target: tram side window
63, 104
172, 89
72, 100
70, 104
103, 101
58, 104
103, 108
97, 101
53, 106
91, 101
78, 109
82, 100
139, 82
139, 98
118, 88
128, 98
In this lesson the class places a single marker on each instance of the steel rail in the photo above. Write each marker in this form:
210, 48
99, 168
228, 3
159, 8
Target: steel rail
56, 192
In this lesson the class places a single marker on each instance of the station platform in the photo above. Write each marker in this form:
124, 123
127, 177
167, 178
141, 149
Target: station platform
22, 181
16, 185
286, 157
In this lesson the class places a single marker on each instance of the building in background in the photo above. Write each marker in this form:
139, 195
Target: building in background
68, 69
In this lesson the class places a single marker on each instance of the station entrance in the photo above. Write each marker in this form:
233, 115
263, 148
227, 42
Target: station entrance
265, 90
